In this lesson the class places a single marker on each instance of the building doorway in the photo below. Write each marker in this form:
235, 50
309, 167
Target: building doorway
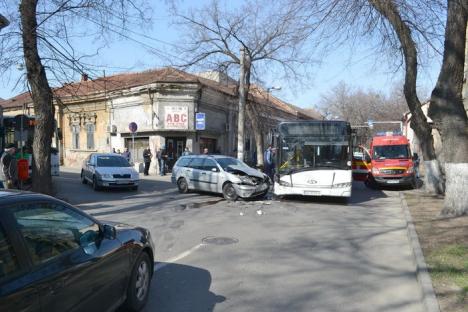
175, 147
208, 143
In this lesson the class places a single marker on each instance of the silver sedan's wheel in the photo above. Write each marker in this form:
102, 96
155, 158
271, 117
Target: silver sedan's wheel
182, 185
83, 179
229, 192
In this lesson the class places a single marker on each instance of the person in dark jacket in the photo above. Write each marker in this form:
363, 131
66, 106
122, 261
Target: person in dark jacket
9, 167
147, 160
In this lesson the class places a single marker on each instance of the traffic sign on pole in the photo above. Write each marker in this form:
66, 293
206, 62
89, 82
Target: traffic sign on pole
133, 127
200, 121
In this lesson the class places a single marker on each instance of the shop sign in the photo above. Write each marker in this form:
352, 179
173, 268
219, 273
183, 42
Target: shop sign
176, 117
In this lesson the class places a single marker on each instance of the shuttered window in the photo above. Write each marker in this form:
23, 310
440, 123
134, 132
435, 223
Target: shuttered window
90, 136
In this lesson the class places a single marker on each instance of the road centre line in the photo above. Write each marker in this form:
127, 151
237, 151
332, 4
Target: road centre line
178, 257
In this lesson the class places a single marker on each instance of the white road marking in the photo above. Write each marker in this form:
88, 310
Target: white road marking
177, 258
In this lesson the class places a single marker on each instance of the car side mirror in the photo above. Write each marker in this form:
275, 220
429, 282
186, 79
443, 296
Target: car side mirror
109, 232
214, 169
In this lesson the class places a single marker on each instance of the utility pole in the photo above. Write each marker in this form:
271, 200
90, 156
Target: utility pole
240, 116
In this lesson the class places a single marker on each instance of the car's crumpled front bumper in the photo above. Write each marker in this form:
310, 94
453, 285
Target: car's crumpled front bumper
248, 191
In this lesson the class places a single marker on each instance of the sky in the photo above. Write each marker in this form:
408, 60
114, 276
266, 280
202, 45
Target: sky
361, 68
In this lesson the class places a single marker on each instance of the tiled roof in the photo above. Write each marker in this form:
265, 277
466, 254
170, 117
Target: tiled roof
168, 75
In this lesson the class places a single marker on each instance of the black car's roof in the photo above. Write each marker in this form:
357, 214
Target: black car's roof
17, 195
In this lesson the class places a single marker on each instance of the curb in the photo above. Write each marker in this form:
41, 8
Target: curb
422, 274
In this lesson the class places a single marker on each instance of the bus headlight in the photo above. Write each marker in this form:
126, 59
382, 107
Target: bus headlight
340, 185
375, 170
284, 183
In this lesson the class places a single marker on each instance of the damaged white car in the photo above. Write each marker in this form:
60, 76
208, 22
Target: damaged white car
219, 174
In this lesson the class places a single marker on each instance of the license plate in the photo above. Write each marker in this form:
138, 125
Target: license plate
123, 181
393, 181
312, 193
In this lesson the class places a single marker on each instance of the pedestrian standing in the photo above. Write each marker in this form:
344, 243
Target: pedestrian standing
164, 157
205, 151
9, 168
147, 160
113, 150
268, 161
186, 152
126, 154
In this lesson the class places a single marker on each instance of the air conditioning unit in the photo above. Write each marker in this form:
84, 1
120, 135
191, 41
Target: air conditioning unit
112, 129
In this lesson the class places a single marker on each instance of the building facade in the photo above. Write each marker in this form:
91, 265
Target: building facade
94, 115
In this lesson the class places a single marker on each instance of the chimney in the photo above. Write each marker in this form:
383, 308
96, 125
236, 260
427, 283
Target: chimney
84, 77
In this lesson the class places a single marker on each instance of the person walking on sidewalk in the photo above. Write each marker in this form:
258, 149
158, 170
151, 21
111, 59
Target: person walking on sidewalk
147, 160
9, 168
268, 162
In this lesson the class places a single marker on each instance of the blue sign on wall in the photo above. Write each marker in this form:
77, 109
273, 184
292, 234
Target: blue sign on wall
200, 121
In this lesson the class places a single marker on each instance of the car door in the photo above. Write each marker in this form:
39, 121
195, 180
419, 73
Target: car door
209, 175
74, 267
91, 167
196, 174
17, 292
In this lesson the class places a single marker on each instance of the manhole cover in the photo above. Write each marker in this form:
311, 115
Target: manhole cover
219, 240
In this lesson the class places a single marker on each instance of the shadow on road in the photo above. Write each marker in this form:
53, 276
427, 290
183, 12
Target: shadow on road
178, 287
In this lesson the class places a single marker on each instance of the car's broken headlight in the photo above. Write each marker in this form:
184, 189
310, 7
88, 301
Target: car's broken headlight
247, 180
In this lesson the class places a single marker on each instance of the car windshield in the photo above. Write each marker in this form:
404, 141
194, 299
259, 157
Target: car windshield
300, 155
227, 162
391, 152
112, 161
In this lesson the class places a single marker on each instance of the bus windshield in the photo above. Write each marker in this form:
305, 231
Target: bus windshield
313, 146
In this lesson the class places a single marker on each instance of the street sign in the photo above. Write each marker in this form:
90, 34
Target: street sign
200, 121
133, 127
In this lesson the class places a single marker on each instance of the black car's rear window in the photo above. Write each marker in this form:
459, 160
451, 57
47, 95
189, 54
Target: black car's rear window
112, 161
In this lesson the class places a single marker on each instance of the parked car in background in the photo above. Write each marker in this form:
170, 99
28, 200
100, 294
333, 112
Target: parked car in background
54, 257
110, 171
219, 174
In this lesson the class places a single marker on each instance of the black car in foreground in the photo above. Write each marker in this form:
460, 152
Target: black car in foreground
54, 257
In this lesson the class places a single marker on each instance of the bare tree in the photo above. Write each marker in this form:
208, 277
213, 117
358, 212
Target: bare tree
267, 34
43, 35
447, 110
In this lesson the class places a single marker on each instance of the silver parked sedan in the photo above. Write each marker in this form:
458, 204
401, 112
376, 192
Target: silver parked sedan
219, 174
110, 171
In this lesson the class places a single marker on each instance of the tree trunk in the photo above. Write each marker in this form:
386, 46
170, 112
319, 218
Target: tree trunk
419, 122
242, 100
448, 113
253, 116
42, 99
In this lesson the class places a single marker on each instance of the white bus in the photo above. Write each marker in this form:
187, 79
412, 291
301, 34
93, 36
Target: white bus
313, 158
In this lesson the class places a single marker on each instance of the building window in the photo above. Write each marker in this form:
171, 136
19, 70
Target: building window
75, 136
90, 136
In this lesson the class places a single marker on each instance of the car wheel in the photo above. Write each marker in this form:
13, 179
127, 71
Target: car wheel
370, 183
229, 192
182, 185
95, 184
83, 179
138, 289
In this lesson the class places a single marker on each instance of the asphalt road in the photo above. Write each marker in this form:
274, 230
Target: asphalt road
296, 254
